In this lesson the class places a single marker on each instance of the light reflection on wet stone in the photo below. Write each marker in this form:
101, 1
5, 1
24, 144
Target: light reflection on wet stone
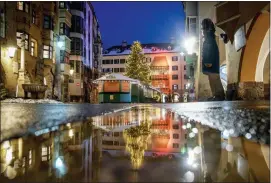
96, 149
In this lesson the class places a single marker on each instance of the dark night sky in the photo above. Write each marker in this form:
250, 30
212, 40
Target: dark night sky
148, 22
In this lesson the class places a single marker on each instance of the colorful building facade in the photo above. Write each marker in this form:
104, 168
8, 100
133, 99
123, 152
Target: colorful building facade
168, 68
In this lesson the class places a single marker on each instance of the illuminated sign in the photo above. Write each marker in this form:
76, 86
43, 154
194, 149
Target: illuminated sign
77, 84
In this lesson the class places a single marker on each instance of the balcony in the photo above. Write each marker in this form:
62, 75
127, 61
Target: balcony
160, 77
160, 68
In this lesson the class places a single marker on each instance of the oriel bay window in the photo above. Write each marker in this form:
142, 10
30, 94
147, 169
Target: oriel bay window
47, 51
64, 29
64, 57
18, 35
76, 46
77, 24
48, 22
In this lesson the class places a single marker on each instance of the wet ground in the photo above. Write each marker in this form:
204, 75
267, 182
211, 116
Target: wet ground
149, 143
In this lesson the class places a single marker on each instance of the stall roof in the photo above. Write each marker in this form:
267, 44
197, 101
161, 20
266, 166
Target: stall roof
117, 77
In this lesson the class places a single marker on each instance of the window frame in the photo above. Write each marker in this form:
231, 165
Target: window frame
175, 58
175, 66
49, 50
25, 6
175, 136
175, 78
173, 87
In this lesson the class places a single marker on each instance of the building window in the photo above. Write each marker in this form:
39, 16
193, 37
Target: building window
122, 69
107, 142
77, 24
76, 46
33, 47
175, 127
18, 34
77, 5
116, 69
47, 22
175, 58
174, 77
47, 51
184, 67
45, 153
34, 17
186, 77
116, 61
30, 157
122, 61
176, 136
175, 87
175, 145
77, 67
116, 143
23, 6
71, 64
2, 24
64, 29
64, 57
174, 68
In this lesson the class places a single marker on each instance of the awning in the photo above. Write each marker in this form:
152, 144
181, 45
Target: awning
231, 15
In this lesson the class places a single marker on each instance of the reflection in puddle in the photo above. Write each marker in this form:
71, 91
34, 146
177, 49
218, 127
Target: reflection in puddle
142, 144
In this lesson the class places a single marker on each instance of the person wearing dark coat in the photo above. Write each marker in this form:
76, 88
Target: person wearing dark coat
210, 60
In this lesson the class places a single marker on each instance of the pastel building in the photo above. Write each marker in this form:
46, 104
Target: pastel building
167, 65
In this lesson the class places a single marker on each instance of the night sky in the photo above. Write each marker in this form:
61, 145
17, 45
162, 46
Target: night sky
148, 22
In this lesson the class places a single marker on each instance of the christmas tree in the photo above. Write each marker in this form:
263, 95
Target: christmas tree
136, 65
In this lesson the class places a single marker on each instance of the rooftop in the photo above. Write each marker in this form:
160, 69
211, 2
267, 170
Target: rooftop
147, 48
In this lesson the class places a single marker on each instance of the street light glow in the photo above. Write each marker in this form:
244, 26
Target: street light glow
189, 45
11, 51
60, 44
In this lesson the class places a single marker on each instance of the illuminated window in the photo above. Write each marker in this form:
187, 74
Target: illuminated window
30, 157
23, 6
20, 6
175, 87
47, 51
176, 136
111, 97
44, 154
33, 47
175, 145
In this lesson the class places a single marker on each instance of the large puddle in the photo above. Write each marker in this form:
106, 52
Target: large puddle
144, 144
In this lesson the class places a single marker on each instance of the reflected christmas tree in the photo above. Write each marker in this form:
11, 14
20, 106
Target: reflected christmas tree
137, 139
